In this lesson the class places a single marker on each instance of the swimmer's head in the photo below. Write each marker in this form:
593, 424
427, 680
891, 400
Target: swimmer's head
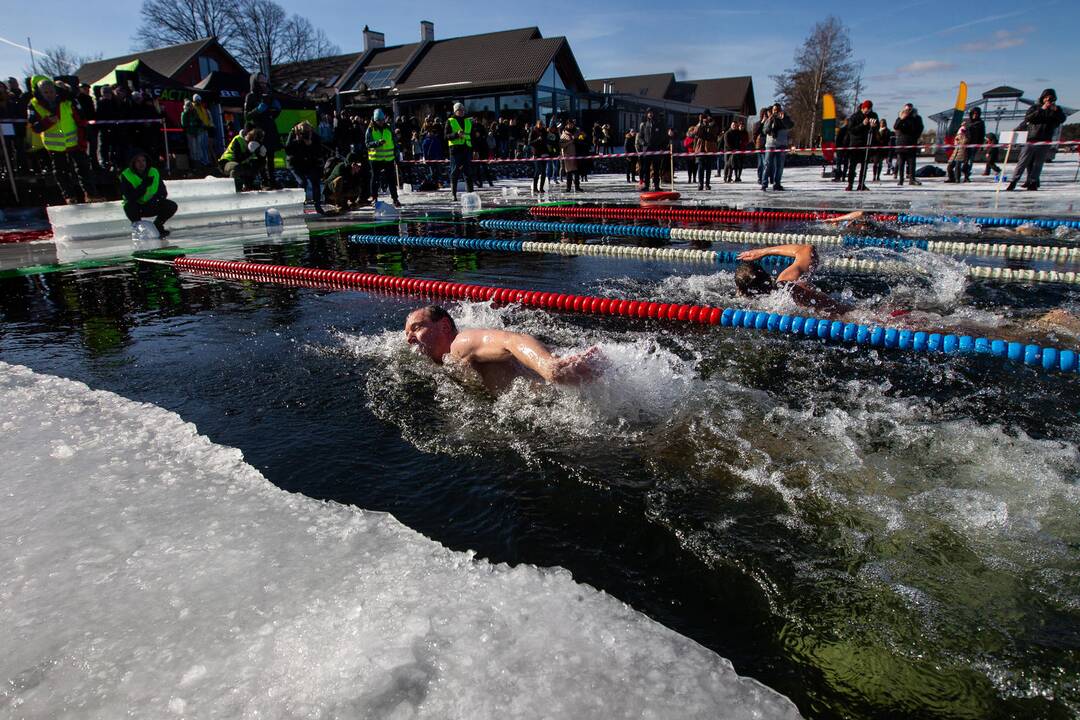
430, 331
752, 279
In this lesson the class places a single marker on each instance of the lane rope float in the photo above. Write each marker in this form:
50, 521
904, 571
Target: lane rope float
686, 214
1051, 253
717, 257
1048, 223
918, 341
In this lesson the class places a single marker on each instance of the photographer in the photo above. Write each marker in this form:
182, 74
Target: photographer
909, 128
861, 126
381, 156
777, 127
304, 156
1041, 121
244, 158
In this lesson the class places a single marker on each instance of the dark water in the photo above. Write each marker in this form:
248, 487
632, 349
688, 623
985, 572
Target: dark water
872, 534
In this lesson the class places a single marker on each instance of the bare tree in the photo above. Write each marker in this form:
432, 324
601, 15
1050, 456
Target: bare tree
266, 36
168, 22
59, 60
303, 41
823, 64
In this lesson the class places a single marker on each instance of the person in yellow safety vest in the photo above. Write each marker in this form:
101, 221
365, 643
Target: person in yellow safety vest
52, 116
144, 195
381, 155
244, 158
459, 137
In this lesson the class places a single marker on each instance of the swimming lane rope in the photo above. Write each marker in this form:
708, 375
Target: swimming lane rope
941, 247
987, 221
719, 257
918, 341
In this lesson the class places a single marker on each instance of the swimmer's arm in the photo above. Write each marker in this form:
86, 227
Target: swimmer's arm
803, 255
856, 215
482, 345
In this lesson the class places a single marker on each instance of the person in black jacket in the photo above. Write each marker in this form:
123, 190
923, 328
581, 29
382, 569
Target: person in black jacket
909, 128
1041, 120
841, 152
861, 126
976, 136
143, 193
261, 107
650, 138
304, 155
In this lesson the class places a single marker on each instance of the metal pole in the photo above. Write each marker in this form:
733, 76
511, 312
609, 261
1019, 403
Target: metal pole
168, 162
30, 47
1004, 171
7, 163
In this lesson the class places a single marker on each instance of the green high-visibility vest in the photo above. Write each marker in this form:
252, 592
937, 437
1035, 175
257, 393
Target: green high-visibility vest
385, 150
237, 151
132, 178
456, 128
62, 136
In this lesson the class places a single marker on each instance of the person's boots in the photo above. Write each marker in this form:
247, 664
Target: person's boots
534, 186
1012, 185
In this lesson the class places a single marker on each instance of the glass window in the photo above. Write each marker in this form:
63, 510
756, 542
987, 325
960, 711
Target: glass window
515, 102
207, 65
378, 78
552, 79
476, 106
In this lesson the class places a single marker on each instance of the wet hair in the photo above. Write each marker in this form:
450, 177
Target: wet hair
752, 279
435, 313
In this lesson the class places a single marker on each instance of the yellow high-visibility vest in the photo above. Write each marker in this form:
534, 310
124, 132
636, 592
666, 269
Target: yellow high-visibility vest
455, 126
385, 151
63, 135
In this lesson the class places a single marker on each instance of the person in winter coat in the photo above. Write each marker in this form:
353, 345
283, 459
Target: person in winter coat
195, 121
976, 136
568, 141
882, 140
244, 158
651, 137
347, 184
262, 107
959, 156
757, 139
304, 156
143, 193
909, 128
993, 154
735, 141
705, 141
691, 163
861, 126
1042, 120
777, 128
431, 149
88, 112
538, 147
630, 146
53, 116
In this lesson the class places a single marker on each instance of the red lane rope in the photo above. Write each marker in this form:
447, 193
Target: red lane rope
585, 304
18, 236
685, 214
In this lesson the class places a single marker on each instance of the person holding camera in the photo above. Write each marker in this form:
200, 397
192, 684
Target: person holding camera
458, 134
244, 158
304, 156
861, 126
909, 128
1041, 121
777, 127
382, 155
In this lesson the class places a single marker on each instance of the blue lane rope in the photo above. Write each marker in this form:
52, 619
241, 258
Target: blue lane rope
987, 221
919, 341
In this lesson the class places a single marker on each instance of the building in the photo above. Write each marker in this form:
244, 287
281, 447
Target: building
677, 102
186, 63
512, 73
1003, 108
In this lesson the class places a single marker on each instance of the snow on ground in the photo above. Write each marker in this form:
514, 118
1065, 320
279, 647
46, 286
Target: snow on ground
805, 188
148, 572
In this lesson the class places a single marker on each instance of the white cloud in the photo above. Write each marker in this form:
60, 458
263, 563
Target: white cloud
1001, 40
922, 67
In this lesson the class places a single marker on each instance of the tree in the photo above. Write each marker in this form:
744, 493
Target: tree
59, 60
168, 22
823, 64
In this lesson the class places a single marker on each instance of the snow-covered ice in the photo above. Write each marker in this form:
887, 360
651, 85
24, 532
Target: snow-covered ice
147, 572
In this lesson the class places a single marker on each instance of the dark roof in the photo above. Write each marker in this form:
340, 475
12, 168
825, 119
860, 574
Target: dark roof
732, 93
1003, 91
167, 60
324, 72
655, 87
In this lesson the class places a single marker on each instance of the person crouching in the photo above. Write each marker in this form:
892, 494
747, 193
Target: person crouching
144, 195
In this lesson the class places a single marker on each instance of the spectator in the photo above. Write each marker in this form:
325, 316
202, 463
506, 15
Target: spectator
882, 140
53, 117
758, 139
431, 147
993, 154
691, 163
458, 135
1042, 120
244, 158
147, 135
326, 130
381, 153
630, 146
734, 143
484, 145
538, 145
976, 136
88, 113
554, 167
568, 141
651, 138
909, 129
304, 156
705, 141
777, 128
958, 157
262, 108
861, 126
143, 193
195, 121
345, 186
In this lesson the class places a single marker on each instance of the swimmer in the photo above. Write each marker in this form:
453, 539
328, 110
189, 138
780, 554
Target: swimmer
865, 224
497, 356
752, 279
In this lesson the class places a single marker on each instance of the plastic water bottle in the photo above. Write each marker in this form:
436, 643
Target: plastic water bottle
470, 202
385, 210
274, 222
143, 232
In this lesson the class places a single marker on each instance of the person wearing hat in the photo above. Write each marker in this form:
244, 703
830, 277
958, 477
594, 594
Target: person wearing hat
381, 153
1042, 120
244, 158
87, 113
54, 119
861, 125
459, 137
195, 120
777, 128
304, 157
908, 128
143, 193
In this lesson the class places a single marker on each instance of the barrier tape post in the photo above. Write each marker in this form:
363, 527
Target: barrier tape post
7, 164
165, 134
1004, 173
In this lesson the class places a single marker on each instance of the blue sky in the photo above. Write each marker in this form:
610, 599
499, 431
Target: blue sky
917, 50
